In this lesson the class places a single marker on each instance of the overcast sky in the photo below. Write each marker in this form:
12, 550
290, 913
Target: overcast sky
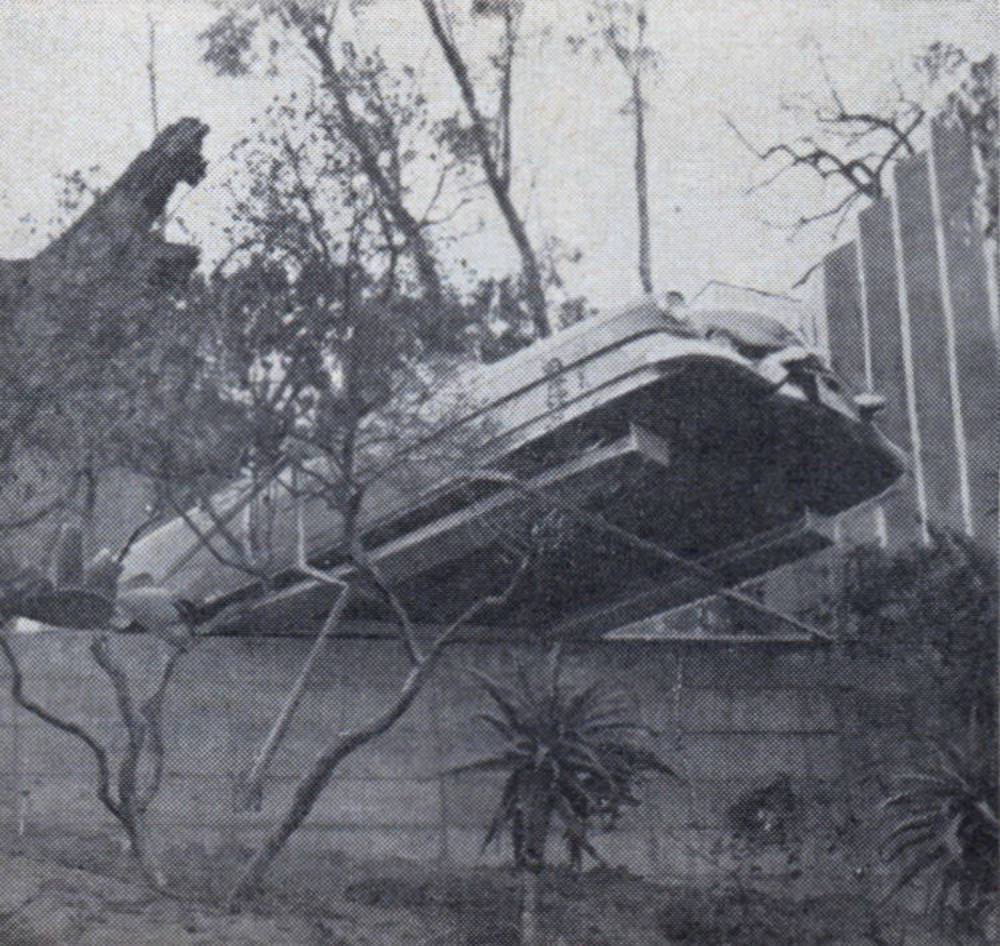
75, 94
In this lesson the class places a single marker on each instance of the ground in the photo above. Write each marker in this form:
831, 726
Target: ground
56, 891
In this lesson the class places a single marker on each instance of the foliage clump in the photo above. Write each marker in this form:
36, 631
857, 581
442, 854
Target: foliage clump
942, 827
934, 610
572, 755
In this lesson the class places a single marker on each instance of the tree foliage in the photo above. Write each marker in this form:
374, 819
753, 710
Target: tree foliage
249, 33
934, 610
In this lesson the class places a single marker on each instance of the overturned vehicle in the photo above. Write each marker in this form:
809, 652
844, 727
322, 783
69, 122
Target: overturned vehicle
642, 459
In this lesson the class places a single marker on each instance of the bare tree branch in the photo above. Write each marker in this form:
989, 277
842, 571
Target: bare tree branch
854, 146
345, 743
135, 728
98, 751
152, 711
370, 571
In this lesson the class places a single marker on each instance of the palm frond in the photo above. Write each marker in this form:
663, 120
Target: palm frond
502, 726
907, 826
571, 753
501, 815
581, 700
505, 699
943, 826
499, 763
916, 867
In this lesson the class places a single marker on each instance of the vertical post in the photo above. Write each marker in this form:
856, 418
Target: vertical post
850, 351
991, 251
911, 390
878, 512
866, 331
969, 292
642, 185
151, 71
951, 357
878, 256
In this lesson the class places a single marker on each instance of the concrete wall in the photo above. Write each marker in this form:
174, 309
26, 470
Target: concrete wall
729, 718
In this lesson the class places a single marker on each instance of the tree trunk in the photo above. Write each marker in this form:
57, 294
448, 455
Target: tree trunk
248, 794
504, 157
137, 829
530, 271
309, 789
499, 186
642, 187
530, 883
412, 228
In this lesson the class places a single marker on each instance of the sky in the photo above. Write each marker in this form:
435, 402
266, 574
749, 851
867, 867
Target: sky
75, 94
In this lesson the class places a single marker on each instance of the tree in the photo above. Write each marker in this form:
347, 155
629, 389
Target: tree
374, 110
359, 113
974, 105
75, 596
508, 13
854, 147
571, 755
313, 26
129, 795
936, 606
494, 160
95, 339
317, 347
932, 612
620, 28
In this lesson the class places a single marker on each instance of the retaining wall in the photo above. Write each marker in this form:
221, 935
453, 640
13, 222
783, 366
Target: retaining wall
730, 718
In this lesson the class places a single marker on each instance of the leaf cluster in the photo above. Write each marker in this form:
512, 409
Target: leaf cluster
571, 754
973, 105
942, 825
936, 609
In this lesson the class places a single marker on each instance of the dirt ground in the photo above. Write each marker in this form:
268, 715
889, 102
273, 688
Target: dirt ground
82, 892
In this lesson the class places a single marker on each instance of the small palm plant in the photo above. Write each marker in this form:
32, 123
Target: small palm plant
573, 756
943, 827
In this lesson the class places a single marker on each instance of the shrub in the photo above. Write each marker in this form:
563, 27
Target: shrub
572, 755
943, 827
